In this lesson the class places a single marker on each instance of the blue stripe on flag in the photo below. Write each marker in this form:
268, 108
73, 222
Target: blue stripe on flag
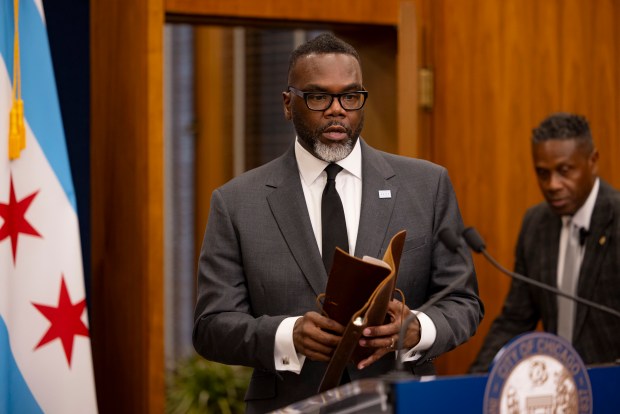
15, 396
38, 86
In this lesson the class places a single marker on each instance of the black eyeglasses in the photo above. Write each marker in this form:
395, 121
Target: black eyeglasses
320, 101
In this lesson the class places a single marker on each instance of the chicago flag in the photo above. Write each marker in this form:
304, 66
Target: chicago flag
45, 355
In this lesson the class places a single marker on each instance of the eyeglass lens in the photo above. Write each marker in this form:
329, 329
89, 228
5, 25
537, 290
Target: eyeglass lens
322, 101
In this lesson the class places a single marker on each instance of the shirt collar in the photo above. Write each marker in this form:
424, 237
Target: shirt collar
582, 217
311, 167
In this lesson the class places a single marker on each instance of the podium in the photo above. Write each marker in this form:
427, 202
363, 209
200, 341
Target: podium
465, 394
536, 372
443, 394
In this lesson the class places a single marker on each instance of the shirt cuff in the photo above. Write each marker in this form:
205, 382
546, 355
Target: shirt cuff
285, 356
428, 333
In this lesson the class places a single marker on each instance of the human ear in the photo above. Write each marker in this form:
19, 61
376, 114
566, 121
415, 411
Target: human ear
286, 100
594, 161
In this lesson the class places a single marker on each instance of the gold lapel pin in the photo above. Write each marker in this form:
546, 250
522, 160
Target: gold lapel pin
602, 240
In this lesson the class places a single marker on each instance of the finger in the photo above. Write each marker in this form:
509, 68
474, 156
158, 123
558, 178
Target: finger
382, 330
324, 322
386, 342
312, 341
398, 309
318, 327
378, 354
316, 351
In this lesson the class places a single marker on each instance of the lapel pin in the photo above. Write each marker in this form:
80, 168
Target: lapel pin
602, 240
385, 194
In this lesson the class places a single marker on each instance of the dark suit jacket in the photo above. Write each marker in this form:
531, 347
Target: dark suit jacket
260, 263
596, 334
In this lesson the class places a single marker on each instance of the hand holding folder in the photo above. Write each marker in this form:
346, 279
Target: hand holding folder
357, 295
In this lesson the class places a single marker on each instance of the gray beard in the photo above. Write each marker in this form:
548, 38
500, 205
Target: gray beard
327, 152
334, 152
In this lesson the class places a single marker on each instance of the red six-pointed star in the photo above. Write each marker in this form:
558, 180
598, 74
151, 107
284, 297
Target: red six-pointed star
15, 221
66, 321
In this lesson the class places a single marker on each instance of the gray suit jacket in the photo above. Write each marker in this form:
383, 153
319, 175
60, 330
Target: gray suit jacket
596, 334
260, 263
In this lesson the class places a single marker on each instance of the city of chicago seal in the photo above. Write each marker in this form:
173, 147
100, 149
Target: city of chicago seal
538, 373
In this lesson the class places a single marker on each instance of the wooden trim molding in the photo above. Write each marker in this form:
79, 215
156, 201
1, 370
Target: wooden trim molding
355, 12
127, 203
407, 81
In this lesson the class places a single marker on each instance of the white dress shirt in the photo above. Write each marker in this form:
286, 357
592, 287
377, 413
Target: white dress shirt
349, 187
581, 219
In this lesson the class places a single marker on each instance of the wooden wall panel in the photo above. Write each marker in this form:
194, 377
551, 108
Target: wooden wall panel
377, 48
127, 204
214, 129
409, 58
501, 67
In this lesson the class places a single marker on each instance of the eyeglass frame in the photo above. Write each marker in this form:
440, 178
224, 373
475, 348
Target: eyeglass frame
304, 95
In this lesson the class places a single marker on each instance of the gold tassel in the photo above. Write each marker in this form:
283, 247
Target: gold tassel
17, 128
14, 135
21, 126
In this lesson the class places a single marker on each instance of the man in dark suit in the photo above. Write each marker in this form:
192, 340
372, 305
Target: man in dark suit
260, 268
582, 211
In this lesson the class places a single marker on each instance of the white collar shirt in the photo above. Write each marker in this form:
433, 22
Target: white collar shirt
348, 185
581, 219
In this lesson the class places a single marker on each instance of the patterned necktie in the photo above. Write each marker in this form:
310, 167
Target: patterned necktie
332, 218
568, 283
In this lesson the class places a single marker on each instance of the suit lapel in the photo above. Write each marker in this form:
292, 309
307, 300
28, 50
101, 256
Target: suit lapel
375, 211
596, 246
289, 209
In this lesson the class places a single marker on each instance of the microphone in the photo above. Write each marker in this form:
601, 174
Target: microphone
475, 242
449, 238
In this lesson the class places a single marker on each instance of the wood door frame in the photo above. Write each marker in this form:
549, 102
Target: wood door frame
401, 14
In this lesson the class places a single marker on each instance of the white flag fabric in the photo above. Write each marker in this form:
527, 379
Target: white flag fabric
45, 354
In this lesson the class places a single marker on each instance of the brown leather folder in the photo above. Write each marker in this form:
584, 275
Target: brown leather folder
357, 295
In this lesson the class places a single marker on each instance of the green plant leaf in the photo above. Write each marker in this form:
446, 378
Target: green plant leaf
200, 386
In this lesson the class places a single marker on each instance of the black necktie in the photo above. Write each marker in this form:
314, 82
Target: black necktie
332, 218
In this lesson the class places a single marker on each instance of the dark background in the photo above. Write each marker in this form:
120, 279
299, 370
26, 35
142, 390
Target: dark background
68, 33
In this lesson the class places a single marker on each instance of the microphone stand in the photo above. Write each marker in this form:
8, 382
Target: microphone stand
544, 286
449, 239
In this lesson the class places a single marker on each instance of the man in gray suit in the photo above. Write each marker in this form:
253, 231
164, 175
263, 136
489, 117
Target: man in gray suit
566, 164
260, 268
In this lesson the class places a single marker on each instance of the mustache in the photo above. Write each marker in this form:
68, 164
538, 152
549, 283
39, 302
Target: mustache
331, 124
